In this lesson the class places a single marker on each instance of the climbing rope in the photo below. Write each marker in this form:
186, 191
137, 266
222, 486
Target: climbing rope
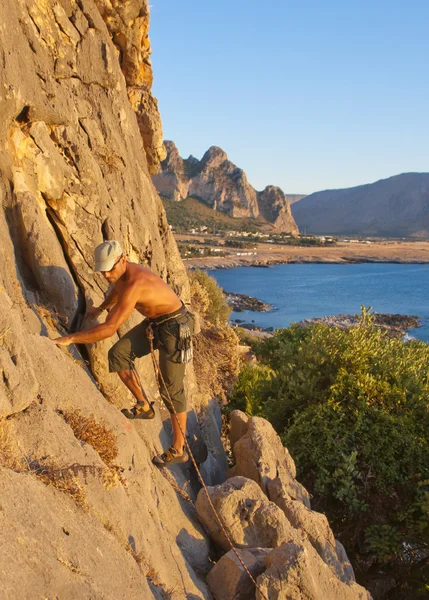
160, 377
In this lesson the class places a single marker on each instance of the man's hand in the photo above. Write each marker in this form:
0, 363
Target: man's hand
63, 341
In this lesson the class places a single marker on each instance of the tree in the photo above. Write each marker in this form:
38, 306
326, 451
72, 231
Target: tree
352, 408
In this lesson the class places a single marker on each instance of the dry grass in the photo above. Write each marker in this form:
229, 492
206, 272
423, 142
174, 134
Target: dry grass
98, 435
152, 574
216, 360
48, 316
67, 563
3, 334
216, 355
10, 456
63, 479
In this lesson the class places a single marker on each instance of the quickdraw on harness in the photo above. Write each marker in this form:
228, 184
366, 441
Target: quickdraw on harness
160, 378
185, 343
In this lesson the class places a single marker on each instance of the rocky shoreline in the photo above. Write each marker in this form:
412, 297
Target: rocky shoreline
394, 324
240, 302
266, 263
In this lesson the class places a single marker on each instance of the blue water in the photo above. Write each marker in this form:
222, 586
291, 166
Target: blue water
316, 290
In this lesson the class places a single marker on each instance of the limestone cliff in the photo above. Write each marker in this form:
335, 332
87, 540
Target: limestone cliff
73, 171
223, 186
128, 25
393, 207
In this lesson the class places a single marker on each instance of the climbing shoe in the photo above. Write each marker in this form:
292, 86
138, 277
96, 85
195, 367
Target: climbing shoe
170, 457
137, 412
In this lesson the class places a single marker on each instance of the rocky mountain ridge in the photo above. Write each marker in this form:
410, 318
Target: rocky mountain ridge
223, 186
393, 207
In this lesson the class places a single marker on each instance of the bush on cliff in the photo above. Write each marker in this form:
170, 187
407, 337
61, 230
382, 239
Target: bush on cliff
208, 298
216, 356
352, 408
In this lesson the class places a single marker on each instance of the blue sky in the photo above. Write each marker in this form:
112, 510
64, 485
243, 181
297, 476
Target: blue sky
303, 94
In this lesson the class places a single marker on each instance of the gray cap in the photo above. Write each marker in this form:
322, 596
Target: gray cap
106, 255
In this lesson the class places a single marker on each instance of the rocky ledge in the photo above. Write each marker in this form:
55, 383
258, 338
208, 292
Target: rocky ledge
240, 302
395, 325
289, 549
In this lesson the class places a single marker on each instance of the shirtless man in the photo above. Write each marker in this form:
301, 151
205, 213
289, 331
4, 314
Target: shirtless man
136, 288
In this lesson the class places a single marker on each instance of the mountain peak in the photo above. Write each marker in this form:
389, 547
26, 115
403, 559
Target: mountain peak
223, 186
214, 157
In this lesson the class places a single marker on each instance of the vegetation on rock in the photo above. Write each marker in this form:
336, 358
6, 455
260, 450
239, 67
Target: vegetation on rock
216, 356
352, 408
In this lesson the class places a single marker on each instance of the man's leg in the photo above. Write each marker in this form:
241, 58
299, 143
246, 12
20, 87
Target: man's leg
171, 384
133, 344
178, 439
131, 379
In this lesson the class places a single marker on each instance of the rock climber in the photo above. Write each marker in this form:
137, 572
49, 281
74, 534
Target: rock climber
134, 287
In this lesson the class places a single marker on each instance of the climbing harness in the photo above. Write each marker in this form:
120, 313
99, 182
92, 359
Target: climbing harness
160, 378
184, 347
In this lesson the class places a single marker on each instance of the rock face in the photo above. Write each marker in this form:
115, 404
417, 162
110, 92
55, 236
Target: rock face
305, 561
394, 207
128, 25
295, 571
249, 517
223, 186
74, 171
228, 579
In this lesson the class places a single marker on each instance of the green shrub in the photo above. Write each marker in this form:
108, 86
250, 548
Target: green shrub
249, 389
352, 408
217, 310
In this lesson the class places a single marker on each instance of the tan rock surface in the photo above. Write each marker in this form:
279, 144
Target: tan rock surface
261, 456
73, 171
229, 581
238, 426
248, 516
296, 572
316, 527
128, 25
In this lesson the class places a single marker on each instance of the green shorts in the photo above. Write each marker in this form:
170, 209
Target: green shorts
135, 344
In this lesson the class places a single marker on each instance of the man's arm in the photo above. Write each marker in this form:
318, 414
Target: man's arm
110, 300
118, 315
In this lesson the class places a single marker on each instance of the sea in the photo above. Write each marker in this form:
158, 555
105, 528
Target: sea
301, 291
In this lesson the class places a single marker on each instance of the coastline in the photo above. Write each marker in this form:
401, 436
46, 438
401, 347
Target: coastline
395, 325
264, 255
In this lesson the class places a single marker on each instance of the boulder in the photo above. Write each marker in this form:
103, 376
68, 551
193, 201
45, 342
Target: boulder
250, 519
295, 571
239, 423
316, 527
229, 581
261, 456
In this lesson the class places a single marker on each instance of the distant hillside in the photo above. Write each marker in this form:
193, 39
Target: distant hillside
292, 198
194, 213
222, 186
393, 207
